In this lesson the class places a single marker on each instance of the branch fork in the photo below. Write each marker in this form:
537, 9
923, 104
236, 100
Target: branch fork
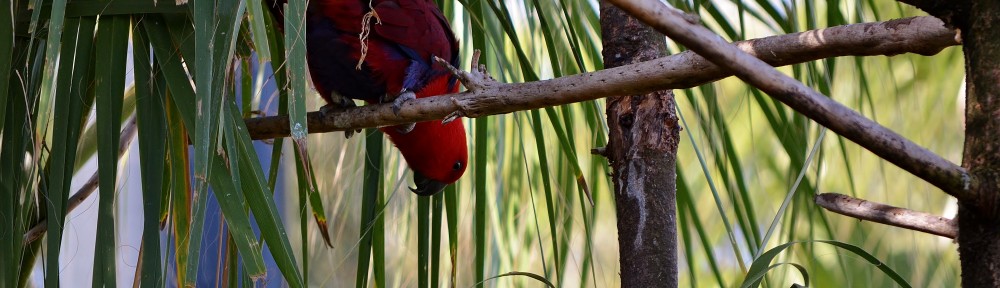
475, 80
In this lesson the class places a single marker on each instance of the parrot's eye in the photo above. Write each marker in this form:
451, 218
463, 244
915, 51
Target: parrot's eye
457, 166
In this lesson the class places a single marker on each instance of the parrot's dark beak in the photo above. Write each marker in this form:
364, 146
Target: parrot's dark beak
426, 186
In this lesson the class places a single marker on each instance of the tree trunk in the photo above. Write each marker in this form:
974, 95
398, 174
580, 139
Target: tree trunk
642, 150
979, 228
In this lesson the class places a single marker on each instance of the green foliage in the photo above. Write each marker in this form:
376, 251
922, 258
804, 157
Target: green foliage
536, 205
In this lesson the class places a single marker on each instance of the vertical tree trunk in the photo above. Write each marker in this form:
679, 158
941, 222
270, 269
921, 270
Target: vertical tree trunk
979, 228
642, 150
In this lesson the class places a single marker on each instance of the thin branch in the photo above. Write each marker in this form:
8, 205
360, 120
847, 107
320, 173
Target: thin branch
921, 35
127, 135
885, 143
889, 215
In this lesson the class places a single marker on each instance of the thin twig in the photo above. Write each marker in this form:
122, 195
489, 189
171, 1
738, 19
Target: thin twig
889, 215
127, 135
885, 143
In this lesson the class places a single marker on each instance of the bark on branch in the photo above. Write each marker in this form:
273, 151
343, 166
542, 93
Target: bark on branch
885, 143
921, 35
889, 215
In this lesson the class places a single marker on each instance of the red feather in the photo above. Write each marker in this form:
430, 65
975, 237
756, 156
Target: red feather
404, 37
448, 139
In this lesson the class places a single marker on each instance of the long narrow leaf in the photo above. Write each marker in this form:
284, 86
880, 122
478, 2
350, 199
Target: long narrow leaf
6, 55
50, 74
451, 209
206, 123
151, 121
437, 210
372, 187
423, 240
11, 246
67, 115
256, 195
295, 49
16, 141
109, 67
762, 264
259, 197
205, 28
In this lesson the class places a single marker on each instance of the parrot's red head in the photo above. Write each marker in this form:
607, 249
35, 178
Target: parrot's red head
437, 153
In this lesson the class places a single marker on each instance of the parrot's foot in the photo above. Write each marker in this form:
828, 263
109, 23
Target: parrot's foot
405, 128
398, 99
337, 104
461, 112
397, 104
477, 78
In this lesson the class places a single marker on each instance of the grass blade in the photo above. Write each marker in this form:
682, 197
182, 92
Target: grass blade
66, 122
537, 277
372, 187
762, 264
49, 76
438, 210
684, 203
423, 240
262, 204
481, 214
151, 121
178, 183
255, 190
206, 124
11, 246
6, 57
305, 188
451, 209
378, 241
715, 195
316, 204
295, 49
109, 67
231, 202
791, 192
258, 24
16, 142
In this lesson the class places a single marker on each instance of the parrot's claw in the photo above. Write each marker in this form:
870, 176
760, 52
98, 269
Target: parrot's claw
461, 112
405, 128
339, 103
397, 104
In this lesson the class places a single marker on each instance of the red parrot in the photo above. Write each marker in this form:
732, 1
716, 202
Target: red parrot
396, 64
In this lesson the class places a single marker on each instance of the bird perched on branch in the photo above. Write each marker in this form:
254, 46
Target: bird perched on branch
381, 51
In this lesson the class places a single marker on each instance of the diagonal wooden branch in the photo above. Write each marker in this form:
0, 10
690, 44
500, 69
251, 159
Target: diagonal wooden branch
885, 143
889, 215
921, 35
